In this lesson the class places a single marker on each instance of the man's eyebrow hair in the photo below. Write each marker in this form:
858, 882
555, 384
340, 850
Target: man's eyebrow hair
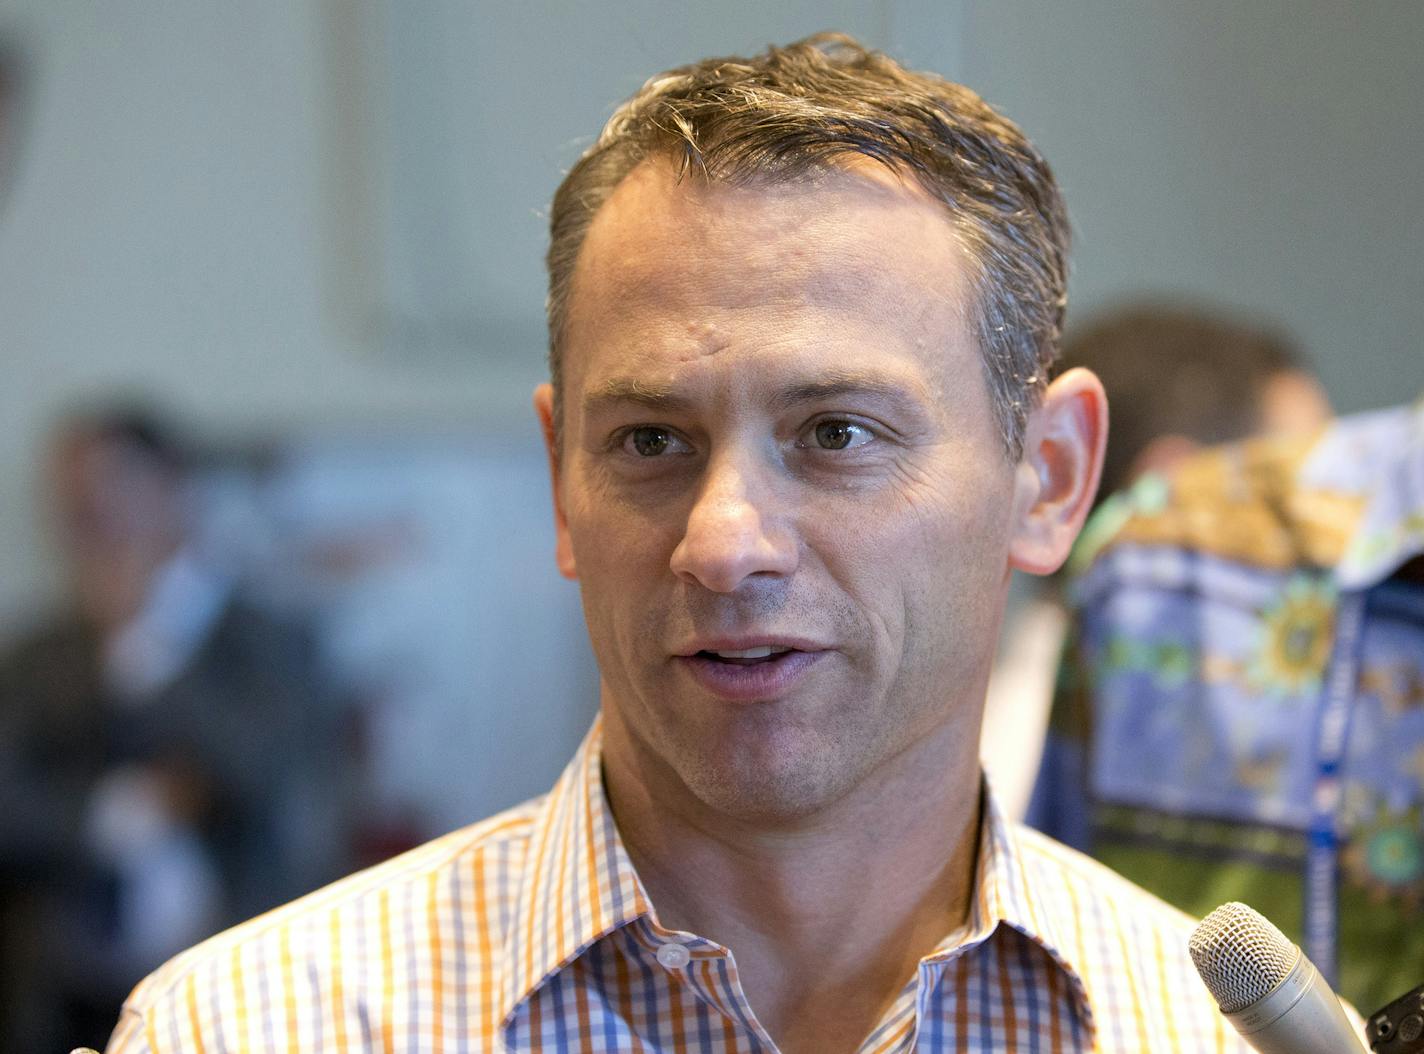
632, 390
837, 383
660, 396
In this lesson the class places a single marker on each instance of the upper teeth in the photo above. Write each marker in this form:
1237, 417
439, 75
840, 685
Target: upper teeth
752, 653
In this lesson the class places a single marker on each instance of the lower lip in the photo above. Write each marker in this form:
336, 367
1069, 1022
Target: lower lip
757, 682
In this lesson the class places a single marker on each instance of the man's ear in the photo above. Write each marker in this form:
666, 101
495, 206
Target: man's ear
1058, 474
563, 546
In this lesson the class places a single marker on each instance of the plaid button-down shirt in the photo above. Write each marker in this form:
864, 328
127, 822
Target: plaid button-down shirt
531, 932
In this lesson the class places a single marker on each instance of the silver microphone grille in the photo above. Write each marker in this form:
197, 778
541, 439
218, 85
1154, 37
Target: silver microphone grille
1240, 955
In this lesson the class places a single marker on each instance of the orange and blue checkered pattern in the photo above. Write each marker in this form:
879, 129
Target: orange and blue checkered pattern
531, 932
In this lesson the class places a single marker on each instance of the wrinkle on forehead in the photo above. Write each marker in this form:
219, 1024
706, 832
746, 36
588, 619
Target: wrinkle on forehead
713, 224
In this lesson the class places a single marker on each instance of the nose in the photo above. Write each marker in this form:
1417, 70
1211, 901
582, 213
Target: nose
734, 531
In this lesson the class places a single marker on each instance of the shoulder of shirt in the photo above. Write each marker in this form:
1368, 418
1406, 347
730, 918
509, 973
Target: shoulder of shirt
1143, 978
1247, 502
505, 835
1050, 861
1136, 905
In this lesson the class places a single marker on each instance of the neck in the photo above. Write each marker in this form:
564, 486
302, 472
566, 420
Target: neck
827, 915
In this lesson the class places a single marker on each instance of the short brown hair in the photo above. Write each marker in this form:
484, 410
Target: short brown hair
796, 109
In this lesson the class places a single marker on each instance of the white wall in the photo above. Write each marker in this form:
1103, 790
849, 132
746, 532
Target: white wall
169, 232
1263, 153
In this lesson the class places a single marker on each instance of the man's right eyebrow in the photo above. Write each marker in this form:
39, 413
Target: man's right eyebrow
629, 390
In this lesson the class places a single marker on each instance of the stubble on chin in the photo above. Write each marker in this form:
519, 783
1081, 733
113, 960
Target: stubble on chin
767, 765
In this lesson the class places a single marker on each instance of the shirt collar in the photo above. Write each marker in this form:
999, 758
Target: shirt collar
579, 885
1007, 893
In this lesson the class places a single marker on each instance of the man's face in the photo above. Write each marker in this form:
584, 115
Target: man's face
781, 486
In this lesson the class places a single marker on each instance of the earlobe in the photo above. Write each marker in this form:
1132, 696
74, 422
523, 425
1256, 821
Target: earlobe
1058, 475
563, 545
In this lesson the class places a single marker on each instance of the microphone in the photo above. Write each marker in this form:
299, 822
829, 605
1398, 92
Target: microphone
1269, 991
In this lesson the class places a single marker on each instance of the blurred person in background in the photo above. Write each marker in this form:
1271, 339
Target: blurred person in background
1241, 711
166, 766
1178, 377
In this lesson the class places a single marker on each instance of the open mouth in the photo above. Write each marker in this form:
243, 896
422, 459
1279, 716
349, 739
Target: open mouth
757, 674
747, 656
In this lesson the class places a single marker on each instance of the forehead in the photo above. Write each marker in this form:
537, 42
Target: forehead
848, 262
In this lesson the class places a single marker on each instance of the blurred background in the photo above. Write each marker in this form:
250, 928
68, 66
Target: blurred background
308, 235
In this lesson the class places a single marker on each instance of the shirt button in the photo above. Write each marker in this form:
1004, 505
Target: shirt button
674, 956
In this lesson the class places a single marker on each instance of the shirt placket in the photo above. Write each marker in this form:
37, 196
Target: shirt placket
709, 971
898, 1029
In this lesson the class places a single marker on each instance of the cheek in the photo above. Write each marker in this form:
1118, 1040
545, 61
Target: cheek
612, 539
951, 553
954, 517
912, 569
623, 557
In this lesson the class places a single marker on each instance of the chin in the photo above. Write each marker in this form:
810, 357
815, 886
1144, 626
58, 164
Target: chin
769, 784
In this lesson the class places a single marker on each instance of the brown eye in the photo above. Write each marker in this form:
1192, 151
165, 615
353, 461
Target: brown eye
840, 435
833, 435
648, 441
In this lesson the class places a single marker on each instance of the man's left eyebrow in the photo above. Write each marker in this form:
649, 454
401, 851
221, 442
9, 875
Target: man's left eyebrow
821, 389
